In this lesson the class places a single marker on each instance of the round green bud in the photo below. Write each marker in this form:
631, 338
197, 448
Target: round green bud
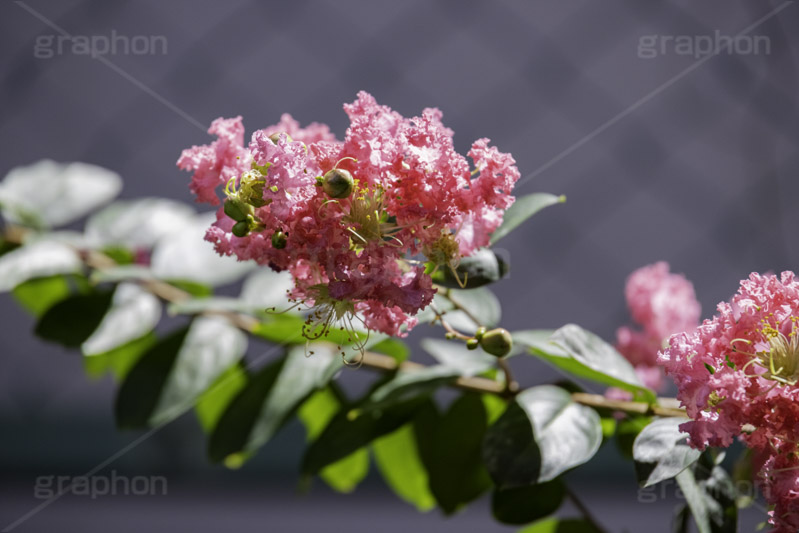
279, 240
449, 336
275, 136
338, 183
472, 344
479, 333
497, 342
241, 228
237, 210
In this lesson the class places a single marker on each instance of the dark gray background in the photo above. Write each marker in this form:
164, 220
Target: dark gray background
661, 159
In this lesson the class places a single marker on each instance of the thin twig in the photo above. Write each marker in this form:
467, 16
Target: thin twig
589, 517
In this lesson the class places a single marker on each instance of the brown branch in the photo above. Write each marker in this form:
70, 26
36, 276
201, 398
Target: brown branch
171, 294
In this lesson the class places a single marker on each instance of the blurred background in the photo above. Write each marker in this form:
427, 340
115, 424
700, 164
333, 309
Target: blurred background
665, 152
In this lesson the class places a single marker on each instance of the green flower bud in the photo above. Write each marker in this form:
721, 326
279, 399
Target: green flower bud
237, 210
479, 333
241, 228
497, 342
338, 183
472, 344
275, 136
449, 336
279, 240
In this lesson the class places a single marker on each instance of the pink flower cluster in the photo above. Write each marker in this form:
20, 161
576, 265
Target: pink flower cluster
662, 303
737, 376
353, 248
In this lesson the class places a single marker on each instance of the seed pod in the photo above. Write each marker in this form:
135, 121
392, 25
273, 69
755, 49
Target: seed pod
472, 344
276, 136
338, 183
241, 229
279, 240
237, 210
497, 342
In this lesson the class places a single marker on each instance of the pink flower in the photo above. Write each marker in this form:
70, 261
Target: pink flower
214, 164
737, 376
663, 304
408, 193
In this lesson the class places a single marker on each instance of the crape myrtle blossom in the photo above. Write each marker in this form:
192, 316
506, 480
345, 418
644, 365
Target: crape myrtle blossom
661, 303
359, 222
737, 376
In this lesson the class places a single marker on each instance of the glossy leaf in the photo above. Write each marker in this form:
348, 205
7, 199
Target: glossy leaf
134, 312
345, 474
523, 208
47, 194
523, 505
214, 401
137, 224
541, 435
451, 453
661, 452
186, 255
120, 360
40, 294
265, 288
37, 260
583, 354
72, 320
350, 430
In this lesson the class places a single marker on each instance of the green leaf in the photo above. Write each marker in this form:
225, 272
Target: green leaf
298, 377
523, 208
457, 356
345, 474
523, 505
660, 451
122, 273
186, 255
138, 396
233, 427
399, 462
287, 329
583, 354
47, 194
627, 430
350, 430
481, 268
216, 398
120, 360
40, 294
137, 224
560, 525
451, 454
37, 260
408, 385
170, 378
542, 434
134, 312
72, 320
